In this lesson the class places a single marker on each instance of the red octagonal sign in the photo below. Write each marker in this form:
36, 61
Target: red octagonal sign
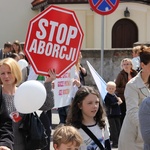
53, 40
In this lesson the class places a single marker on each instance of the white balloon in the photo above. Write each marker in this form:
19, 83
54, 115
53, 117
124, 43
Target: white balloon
30, 96
22, 63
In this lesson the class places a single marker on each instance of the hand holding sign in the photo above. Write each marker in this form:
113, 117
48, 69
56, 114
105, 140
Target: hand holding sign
51, 75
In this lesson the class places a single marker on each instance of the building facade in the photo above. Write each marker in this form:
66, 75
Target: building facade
120, 30
15, 16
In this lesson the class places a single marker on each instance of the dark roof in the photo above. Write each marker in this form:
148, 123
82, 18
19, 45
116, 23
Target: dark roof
144, 1
36, 4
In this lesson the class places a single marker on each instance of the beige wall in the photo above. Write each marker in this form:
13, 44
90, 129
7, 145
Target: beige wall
91, 23
139, 14
15, 16
111, 65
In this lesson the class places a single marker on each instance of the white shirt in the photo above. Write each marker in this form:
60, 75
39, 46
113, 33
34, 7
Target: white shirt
136, 62
101, 134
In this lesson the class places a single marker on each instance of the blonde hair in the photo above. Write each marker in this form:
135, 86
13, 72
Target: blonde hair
137, 49
111, 83
126, 59
77, 64
66, 134
14, 67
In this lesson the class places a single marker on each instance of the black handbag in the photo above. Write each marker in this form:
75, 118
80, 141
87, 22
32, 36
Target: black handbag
93, 137
34, 132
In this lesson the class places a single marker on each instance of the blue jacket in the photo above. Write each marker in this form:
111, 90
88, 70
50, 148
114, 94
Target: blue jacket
144, 120
112, 107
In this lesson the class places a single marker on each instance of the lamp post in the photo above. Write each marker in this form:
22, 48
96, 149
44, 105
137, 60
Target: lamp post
126, 12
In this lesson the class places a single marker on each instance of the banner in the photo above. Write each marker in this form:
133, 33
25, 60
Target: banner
63, 88
100, 83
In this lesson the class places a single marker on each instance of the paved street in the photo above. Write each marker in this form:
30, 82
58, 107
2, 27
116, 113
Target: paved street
55, 121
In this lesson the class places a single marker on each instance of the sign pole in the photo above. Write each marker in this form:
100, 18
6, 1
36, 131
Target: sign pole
101, 9
102, 44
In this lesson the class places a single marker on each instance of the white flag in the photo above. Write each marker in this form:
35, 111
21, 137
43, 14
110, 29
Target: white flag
101, 84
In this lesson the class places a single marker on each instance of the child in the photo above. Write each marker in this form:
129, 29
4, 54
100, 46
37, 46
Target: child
87, 111
66, 137
112, 103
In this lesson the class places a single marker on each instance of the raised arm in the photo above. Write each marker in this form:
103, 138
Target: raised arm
49, 102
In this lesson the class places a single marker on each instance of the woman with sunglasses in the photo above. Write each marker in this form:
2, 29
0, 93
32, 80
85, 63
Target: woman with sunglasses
123, 77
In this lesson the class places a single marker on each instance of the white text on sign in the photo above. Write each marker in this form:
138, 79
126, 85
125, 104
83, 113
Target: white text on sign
64, 35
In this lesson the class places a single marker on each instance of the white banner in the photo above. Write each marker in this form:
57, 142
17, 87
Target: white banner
63, 88
101, 84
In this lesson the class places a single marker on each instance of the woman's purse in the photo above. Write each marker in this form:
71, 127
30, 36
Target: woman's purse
34, 132
93, 137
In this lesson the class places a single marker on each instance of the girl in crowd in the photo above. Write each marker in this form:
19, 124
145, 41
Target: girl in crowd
10, 77
136, 90
16, 47
86, 110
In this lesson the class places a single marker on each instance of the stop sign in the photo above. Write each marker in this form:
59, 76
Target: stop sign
53, 40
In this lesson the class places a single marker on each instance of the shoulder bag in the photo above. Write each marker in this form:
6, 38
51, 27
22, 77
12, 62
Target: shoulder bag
33, 131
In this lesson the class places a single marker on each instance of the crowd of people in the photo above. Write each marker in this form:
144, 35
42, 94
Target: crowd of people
88, 122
